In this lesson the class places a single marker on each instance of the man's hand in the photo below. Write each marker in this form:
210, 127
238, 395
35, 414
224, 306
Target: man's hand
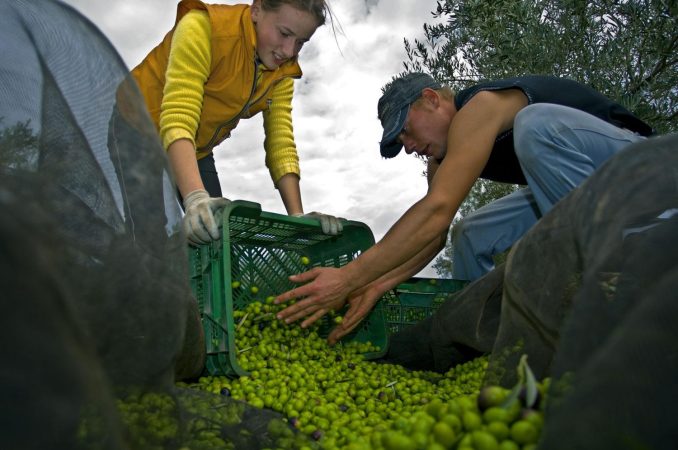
360, 303
326, 291
199, 223
330, 225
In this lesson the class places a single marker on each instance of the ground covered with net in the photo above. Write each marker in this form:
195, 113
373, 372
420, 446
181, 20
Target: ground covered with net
99, 322
589, 296
98, 317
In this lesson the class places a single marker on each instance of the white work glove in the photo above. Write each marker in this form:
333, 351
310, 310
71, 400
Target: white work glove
199, 223
330, 225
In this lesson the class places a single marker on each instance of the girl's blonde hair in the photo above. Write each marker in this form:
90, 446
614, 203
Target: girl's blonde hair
320, 9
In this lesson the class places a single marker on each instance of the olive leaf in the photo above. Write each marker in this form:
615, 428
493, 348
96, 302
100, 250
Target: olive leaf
527, 383
530, 382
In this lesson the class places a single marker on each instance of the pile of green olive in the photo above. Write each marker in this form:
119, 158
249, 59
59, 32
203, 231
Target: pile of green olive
342, 401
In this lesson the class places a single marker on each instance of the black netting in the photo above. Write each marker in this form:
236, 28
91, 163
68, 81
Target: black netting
50, 373
601, 320
589, 295
103, 183
98, 316
605, 236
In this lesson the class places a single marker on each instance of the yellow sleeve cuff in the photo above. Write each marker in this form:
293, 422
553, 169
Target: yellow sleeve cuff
281, 150
188, 68
174, 134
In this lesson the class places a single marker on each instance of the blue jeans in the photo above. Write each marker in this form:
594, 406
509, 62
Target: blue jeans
558, 148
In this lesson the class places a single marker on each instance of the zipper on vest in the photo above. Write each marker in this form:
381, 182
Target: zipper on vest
211, 143
269, 101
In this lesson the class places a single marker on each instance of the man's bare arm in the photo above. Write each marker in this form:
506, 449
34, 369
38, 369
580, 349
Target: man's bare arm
469, 143
470, 140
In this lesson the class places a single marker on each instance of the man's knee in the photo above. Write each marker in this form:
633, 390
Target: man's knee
460, 231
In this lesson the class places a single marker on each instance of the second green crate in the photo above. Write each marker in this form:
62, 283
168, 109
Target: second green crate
416, 299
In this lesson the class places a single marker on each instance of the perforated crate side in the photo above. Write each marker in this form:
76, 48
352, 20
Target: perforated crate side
416, 299
261, 249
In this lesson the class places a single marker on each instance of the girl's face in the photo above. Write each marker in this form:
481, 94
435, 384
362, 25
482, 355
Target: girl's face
281, 33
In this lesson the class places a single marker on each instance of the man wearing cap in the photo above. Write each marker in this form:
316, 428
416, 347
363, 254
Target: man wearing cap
543, 132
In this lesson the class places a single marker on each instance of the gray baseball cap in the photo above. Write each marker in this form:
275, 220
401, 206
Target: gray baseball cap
394, 104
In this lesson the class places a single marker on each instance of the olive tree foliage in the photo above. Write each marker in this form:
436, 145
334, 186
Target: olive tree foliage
18, 146
626, 49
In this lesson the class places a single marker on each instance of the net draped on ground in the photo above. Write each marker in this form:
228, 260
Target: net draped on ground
589, 294
97, 307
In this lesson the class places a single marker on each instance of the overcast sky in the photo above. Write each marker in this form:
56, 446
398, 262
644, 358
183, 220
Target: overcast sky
335, 108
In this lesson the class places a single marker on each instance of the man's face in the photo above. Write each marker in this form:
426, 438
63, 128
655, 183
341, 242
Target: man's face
425, 130
281, 33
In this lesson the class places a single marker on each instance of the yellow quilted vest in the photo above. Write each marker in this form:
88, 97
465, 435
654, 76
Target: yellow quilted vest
231, 91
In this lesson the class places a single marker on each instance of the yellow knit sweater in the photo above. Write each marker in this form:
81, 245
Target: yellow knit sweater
187, 71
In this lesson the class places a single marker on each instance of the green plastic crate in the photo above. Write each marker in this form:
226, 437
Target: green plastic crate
262, 249
416, 299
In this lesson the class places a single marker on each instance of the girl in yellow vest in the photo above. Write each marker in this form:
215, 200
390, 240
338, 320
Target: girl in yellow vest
220, 64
